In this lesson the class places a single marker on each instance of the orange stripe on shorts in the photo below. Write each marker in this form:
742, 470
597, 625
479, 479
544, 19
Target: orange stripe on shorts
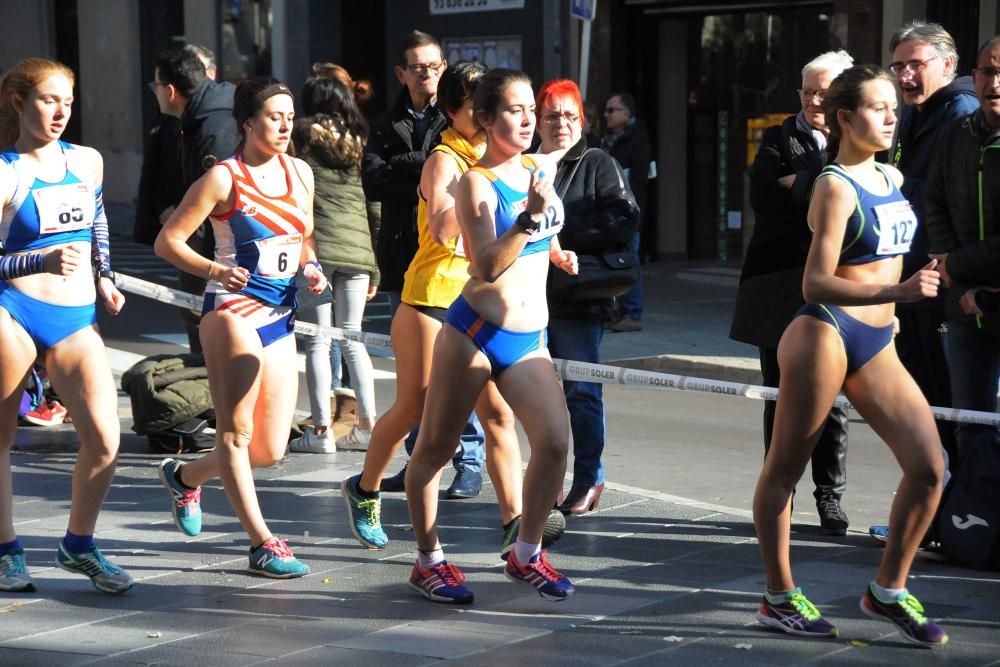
475, 326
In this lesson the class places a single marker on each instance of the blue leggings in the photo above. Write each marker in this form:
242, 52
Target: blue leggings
861, 341
46, 323
502, 347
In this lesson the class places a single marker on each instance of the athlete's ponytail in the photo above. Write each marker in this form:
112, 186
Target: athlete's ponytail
19, 82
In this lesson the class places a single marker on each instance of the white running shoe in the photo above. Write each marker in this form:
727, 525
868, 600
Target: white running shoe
310, 443
357, 439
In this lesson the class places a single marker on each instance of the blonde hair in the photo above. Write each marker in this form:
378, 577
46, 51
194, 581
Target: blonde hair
19, 82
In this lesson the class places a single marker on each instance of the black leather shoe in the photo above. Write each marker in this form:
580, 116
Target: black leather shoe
394, 484
467, 484
832, 520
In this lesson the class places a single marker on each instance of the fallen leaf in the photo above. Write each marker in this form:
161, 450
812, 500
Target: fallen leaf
744, 647
673, 638
328, 580
857, 643
153, 635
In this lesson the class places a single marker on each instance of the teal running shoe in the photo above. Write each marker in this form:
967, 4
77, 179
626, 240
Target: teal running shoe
274, 559
365, 513
185, 503
14, 577
105, 575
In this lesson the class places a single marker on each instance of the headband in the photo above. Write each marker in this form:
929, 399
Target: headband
262, 96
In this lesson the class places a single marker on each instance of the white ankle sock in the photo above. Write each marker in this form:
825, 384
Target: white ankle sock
525, 551
886, 594
428, 558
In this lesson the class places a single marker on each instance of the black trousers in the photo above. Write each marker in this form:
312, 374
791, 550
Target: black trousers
829, 458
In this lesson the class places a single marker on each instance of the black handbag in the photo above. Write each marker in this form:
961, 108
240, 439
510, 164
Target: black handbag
602, 275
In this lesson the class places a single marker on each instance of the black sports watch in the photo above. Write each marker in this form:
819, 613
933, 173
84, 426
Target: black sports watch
108, 273
526, 223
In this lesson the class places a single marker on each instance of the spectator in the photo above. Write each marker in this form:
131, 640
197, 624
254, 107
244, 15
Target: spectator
398, 145
207, 134
790, 158
601, 216
627, 139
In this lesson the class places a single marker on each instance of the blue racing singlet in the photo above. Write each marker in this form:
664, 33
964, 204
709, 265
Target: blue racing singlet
262, 234
881, 226
511, 202
41, 213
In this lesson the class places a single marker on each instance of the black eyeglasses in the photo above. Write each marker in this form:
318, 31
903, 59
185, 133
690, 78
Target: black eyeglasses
420, 68
610, 110
911, 66
153, 84
553, 118
988, 73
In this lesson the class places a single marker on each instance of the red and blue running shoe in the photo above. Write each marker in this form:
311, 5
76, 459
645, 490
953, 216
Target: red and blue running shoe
441, 582
795, 615
537, 573
907, 614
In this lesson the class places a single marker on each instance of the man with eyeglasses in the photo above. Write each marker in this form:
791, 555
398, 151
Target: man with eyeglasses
398, 144
962, 217
627, 140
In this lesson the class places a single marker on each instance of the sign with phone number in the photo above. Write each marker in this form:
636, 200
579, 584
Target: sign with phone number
463, 6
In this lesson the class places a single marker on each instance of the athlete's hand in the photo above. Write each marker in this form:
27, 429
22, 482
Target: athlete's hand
233, 279
942, 268
315, 278
62, 261
114, 300
372, 291
921, 285
540, 193
565, 260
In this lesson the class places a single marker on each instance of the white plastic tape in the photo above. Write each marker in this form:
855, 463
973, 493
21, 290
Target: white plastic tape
578, 371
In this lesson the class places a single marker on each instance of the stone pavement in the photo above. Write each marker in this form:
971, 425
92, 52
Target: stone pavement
659, 579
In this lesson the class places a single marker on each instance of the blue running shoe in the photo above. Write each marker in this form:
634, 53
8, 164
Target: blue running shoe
105, 575
274, 559
14, 577
365, 513
795, 615
441, 582
185, 503
555, 526
879, 533
906, 613
541, 576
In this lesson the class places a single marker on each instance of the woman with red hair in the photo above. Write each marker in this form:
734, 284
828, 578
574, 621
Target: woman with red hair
601, 216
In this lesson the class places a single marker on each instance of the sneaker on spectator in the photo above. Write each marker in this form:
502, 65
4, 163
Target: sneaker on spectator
540, 575
105, 575
186, 503
832, 519
14, 575
274, 559
310, 443
555, 526
795, 615
906, 613
48, 413
356, 440
441, 582
626, 323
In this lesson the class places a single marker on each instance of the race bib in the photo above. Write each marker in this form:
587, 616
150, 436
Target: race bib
279, 256
897, 223
64, 208
553, 223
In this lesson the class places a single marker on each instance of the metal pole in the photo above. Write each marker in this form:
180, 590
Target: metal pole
585, 55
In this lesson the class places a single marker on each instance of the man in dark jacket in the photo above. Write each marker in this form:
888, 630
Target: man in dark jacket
398, 144
207, 134
962, 216
790, 157
924, 61
627, 140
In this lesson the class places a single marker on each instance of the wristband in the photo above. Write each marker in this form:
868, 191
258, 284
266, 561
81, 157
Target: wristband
313, 262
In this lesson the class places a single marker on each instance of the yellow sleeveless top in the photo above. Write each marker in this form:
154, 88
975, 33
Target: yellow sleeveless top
437, 275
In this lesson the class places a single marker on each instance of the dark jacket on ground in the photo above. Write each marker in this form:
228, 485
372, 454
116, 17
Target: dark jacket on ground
633, 151
390, 174
916, 143
342, 223
166, 390
601, 216
771, 283
966, 149
160, 182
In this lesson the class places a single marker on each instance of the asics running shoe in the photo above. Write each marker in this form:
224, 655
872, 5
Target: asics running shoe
185, 503
907, 614
14, 575
365, 513
105, 575
441, 582
540, 575
555, 526
795, 615
274, 559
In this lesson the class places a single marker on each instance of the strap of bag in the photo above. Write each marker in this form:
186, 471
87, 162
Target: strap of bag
562, 191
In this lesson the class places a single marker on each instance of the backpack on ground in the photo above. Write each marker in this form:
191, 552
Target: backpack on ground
968, 521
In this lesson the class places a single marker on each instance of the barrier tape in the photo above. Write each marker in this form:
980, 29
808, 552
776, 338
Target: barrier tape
578, 371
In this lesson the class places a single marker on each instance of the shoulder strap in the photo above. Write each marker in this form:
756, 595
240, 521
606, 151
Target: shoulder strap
569, 179
484, 171
442, 148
